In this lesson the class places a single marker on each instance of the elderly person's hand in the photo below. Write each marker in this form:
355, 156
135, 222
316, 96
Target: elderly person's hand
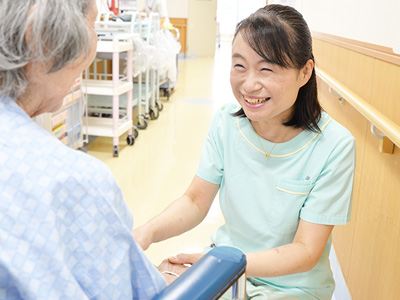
171, 271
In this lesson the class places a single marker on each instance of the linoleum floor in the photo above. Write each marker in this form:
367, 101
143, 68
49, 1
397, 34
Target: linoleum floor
160, 165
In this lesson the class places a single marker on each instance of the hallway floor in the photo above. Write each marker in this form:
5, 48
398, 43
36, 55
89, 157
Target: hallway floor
161, 164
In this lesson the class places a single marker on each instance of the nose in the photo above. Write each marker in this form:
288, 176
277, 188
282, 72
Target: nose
251, 83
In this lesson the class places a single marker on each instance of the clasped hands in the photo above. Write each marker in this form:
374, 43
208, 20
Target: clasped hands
175, 264
178, 265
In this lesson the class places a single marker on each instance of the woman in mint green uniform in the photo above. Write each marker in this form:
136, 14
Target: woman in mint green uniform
284, 168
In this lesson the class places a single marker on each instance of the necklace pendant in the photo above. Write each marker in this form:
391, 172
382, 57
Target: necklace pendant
267, 155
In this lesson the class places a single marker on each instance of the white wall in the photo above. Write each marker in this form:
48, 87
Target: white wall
201, 28
178, 8
101, 5
230, 12
372, 21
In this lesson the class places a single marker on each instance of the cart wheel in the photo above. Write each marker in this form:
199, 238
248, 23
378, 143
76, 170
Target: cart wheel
142, 124
130, 140
115, 151
160, 106
135, 132
154, 114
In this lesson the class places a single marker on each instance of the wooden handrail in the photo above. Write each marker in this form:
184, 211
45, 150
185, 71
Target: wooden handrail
389, 129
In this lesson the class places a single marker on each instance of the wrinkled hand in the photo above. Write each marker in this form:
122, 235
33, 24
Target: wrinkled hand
175, 268
142, 237
186, 258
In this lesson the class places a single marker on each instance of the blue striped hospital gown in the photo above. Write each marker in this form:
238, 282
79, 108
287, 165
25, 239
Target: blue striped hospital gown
65, 230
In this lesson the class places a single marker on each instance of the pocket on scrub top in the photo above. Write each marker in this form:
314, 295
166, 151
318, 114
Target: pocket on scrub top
289, 198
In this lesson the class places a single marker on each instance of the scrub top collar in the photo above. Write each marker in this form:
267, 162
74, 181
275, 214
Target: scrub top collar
295, 145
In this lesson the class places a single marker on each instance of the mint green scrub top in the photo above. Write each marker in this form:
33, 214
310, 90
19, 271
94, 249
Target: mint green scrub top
309, 177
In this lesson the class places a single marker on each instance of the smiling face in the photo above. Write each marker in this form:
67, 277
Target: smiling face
266, 91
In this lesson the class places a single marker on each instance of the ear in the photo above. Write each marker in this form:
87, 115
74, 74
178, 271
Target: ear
306, 72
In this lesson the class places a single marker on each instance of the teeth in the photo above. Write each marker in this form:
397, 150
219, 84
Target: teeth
255, 100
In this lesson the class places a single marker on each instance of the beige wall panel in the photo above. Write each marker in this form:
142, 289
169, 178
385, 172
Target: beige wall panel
341, 64
350, 118
386, 90
349, 67
375, 263
368, 248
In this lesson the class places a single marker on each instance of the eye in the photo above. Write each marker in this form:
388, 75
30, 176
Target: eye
266, 69
238, 66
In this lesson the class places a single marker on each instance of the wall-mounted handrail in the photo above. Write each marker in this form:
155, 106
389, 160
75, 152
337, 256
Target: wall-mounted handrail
388, 128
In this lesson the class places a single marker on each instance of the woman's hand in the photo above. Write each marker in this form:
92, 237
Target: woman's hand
171, 271
185, 258
142, 237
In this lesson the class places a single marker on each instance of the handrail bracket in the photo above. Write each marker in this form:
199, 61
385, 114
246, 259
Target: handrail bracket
385, 144
340, 98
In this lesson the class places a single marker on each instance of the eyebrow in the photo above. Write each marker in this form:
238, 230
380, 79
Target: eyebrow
237, 55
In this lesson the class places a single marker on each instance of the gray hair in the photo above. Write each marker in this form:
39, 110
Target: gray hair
57, 32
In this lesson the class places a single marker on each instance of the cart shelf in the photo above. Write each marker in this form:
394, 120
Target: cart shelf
104, 126
113, 47
106, 87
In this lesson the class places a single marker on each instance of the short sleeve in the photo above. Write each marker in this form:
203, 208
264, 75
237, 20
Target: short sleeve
330, 199
211, 167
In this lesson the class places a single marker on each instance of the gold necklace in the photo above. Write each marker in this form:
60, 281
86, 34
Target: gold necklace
281, 139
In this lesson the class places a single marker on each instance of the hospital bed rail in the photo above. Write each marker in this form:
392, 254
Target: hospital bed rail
209, 278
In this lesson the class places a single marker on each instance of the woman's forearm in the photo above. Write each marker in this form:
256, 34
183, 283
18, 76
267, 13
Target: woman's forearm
182, 215
179, 217
299, 256
284, 260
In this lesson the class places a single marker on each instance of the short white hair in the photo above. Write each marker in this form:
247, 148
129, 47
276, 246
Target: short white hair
58, 35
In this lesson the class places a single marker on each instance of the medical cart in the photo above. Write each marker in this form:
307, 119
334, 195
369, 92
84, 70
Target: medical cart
120, 85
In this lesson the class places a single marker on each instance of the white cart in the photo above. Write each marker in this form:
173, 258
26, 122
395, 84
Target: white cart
120, 84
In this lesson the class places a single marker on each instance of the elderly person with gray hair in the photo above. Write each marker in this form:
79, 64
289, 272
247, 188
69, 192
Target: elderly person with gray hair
65, 230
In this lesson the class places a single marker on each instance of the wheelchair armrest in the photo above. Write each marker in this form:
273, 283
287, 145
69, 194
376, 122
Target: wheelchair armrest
209, 278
